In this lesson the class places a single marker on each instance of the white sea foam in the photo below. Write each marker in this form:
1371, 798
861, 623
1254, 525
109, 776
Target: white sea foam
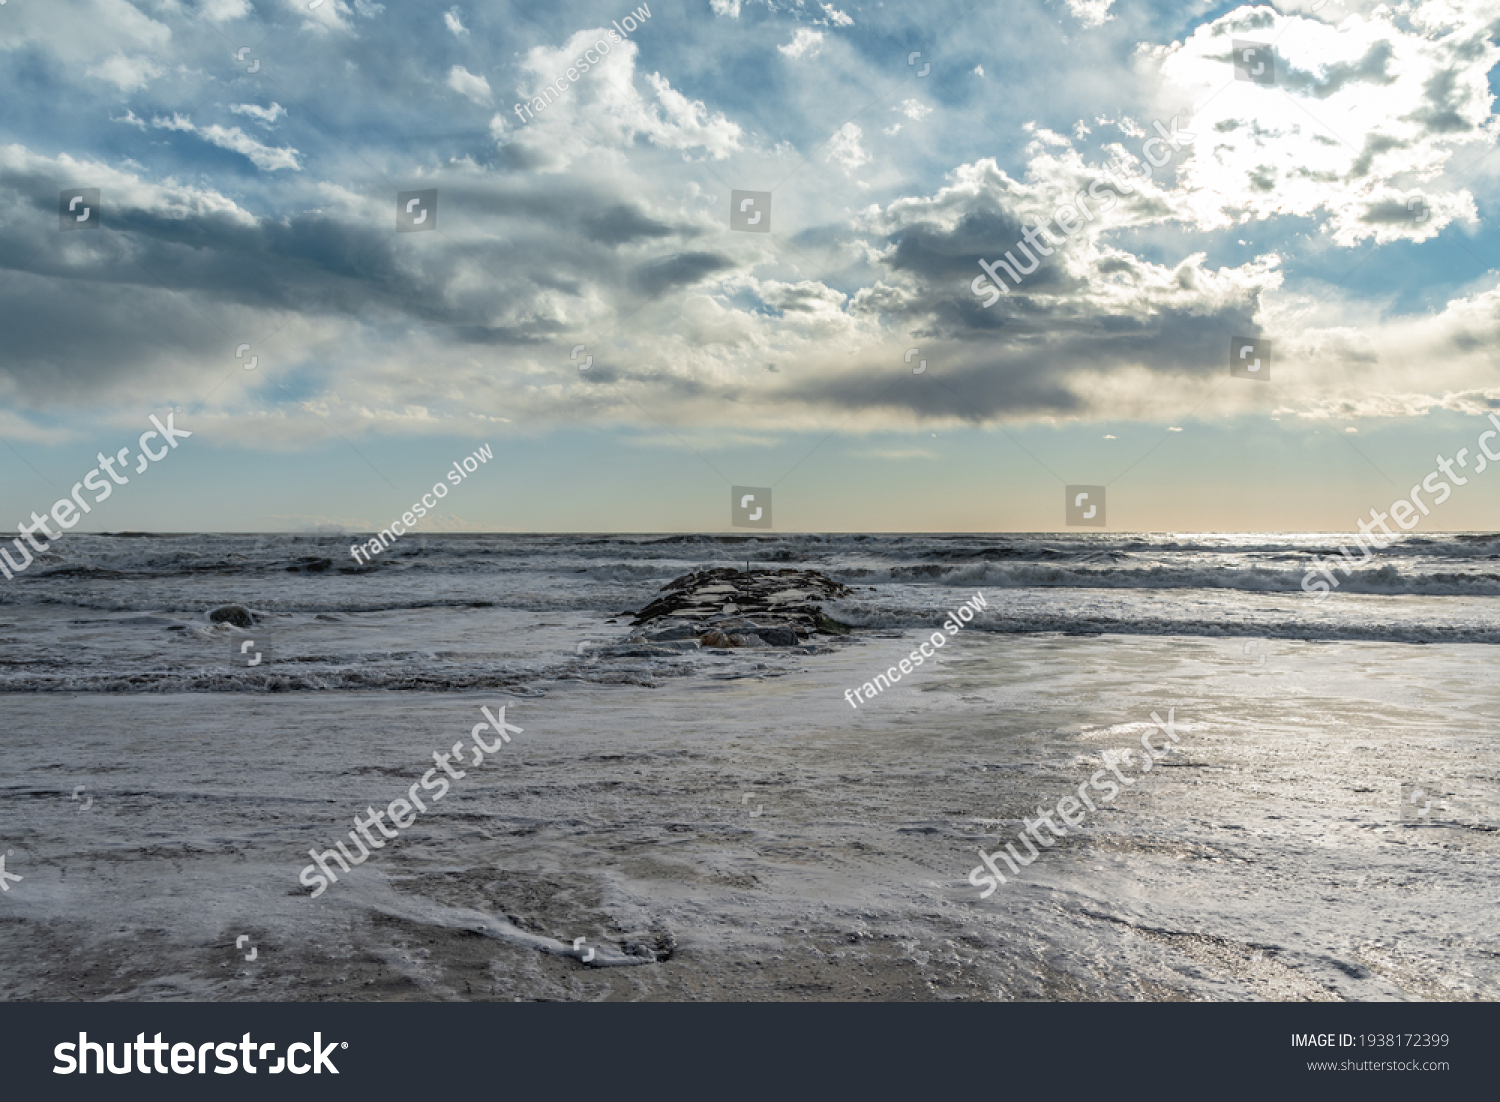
127, 613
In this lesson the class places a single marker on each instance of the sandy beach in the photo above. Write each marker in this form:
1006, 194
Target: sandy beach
751, 836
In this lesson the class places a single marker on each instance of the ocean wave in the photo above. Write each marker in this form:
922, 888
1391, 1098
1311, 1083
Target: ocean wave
1388, 579
1011, 620
85, 555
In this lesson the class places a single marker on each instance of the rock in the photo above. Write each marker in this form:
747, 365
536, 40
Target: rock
658, 945
786, 600
640, 650
309, 565
779, 636
746, 641
238, 615
670, 632
833, 627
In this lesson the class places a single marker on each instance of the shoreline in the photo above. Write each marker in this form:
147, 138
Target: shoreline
632, 821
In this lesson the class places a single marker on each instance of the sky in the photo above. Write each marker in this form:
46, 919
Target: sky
576, 284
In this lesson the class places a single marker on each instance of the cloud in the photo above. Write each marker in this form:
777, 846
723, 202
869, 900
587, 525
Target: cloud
221, 11
600, 218
603, 113
844, 147
129, 74
472, 87
1087, 331
1091, 13
266, 116
330, 15
109, 41
805, 41
1363, 117
264, 157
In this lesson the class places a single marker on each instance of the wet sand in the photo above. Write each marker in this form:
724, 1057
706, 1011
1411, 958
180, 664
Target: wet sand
756, 838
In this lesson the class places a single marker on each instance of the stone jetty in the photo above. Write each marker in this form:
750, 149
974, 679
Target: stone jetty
727, 607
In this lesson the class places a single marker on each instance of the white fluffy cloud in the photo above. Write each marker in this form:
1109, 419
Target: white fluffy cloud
329, 15
264, 157
221, 11
804, 42
1358, 129
470, 86
129, 74
603, 112
266, 116
844, 147
1091, 13
602, 220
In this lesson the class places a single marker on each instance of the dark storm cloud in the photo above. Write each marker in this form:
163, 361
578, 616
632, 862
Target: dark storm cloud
603, 216
1027, 371
1391, 211
621, 224
1442, 97
681, 270
1373, 68
1375, 144
158, 284
933, 253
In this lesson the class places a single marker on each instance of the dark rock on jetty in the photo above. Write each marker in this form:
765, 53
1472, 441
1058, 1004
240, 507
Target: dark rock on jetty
238, 615
309, 564
726, 607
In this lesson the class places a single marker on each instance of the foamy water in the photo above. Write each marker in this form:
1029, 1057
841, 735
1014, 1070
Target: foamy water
111, 613
742, 833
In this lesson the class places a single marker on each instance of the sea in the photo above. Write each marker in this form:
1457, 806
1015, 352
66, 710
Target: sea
188, 721
129, 613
